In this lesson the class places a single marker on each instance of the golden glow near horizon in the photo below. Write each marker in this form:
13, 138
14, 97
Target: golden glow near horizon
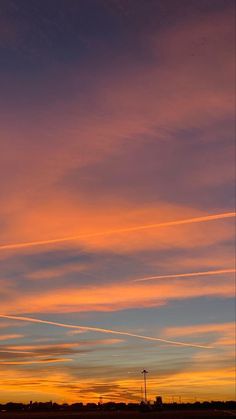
117, 242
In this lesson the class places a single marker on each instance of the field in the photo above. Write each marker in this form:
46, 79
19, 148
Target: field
203, 414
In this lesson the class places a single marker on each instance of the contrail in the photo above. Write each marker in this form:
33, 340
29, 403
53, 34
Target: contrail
206, 273
100, 330
121, 230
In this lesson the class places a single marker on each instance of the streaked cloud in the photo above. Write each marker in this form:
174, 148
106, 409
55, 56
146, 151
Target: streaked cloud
9, 337
42, 361
115, 297
120, 231
200, 329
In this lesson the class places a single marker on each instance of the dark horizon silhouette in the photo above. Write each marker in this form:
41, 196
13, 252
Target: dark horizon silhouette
90, 406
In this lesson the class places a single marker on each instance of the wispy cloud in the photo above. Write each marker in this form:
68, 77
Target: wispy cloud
12, 336
200, 329
119, 296
42, 361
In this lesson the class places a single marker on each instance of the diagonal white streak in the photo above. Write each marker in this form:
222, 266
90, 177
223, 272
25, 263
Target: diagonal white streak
212, 217
185, 275
101, 330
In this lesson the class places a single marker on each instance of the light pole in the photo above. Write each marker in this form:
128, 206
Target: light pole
144, 372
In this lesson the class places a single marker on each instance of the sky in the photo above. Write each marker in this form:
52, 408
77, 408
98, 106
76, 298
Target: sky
117, 199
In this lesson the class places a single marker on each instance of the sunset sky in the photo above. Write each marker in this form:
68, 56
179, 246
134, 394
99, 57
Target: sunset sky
116, 199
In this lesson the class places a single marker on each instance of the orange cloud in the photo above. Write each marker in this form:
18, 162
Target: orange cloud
112, 297
200, 329
129, 104
12, 336
120, 231
222, 334
48, 349
42, 361
61, 385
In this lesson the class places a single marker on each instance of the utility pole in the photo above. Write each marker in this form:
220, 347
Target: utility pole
144, 372
142, 399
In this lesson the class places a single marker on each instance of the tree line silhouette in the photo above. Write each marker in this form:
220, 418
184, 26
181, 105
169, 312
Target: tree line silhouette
109, 406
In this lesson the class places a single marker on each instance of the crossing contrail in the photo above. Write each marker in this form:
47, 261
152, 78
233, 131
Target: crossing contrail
14, 246
205, 273
100, 330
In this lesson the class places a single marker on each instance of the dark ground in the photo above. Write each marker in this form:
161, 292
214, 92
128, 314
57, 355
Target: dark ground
187, 414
